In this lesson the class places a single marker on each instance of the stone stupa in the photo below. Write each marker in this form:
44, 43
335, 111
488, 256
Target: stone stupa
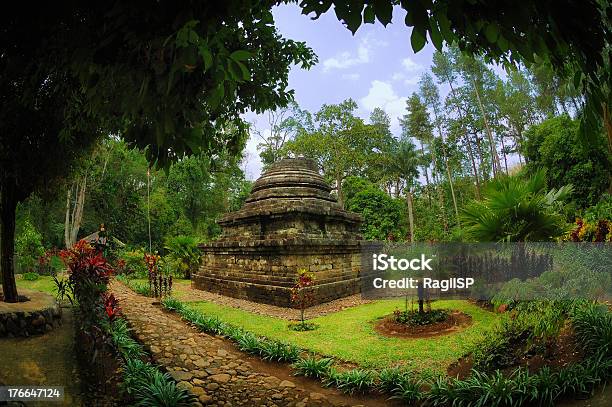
288, 223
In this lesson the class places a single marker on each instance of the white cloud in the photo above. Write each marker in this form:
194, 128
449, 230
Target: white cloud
411, 66
350, 76
362, 56
346, 60
406, 80
381, 94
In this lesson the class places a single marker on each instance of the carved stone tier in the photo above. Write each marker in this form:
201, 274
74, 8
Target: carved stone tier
289, 222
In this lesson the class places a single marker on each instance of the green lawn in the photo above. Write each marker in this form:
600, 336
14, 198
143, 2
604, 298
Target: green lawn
44, 284
349, 334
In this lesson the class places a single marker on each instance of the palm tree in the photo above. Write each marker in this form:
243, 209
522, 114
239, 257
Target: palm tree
515, 209
406, 163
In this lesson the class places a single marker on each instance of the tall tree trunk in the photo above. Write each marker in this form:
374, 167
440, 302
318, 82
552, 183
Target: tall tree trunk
410, 214
450, 182
445, 158
504, 153
467, 140
494, 157
426, 174
607, 119
485, 174
8, 207
72, 223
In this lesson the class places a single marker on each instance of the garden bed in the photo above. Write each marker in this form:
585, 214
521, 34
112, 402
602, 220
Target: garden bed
563, 351
456, 321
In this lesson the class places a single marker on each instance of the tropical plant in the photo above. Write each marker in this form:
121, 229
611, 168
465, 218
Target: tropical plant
312, 366
514, 209
161, 390
185, 250
278, 351
351, 381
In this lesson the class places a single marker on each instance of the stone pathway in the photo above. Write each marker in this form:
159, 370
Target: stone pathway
187, 293
216, 372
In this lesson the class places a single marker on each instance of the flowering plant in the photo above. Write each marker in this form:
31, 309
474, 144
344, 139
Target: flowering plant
598, 231
301, 293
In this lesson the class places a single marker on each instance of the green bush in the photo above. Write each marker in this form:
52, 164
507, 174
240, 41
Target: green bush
161, 390
592, 325
416, 318
278, 351
30, 276
185, 250
134, 263
312, 367
351, 381
601, 211
28, 248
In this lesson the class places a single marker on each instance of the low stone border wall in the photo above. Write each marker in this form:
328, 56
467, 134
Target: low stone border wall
39, 315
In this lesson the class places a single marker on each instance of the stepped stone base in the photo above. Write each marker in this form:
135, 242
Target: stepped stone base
265, 271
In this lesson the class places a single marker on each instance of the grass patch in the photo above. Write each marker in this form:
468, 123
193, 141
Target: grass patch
349, 334
42, 283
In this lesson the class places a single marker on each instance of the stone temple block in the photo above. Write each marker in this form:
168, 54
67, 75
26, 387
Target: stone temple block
288, 223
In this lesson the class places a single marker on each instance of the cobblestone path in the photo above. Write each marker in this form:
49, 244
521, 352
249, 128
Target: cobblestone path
217, 373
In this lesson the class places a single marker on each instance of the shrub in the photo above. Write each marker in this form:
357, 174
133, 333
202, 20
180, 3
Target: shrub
498, 349
186, 251
28, 248
416, 318
161, 390
136, 373
248, 342
50, 263
592, 325
312, 367
132, 263
172, 304
301, 293
390, 378
302, 326
351, 381
278, 351
30, 276
409, 391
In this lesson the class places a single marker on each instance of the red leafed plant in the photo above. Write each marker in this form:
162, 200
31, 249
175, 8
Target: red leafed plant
89, 273
159, 285
111, 306
302, 294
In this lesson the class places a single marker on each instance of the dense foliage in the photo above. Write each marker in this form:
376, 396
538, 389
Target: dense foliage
556, 146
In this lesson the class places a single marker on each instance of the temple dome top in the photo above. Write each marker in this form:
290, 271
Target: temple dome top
291, 178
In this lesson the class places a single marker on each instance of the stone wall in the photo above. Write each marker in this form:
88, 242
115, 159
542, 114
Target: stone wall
27, 323
265, 272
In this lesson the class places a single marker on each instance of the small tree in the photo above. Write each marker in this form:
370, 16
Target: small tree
302, 295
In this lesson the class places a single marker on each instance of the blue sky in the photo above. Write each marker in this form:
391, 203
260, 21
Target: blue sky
376, 67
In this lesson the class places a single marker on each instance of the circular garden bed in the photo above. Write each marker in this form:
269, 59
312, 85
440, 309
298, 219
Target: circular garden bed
412, 324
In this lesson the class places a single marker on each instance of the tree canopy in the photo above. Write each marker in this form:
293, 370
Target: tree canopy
171, 78
573, 35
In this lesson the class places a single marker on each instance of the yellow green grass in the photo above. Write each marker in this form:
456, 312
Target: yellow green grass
44, 284
349, 335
